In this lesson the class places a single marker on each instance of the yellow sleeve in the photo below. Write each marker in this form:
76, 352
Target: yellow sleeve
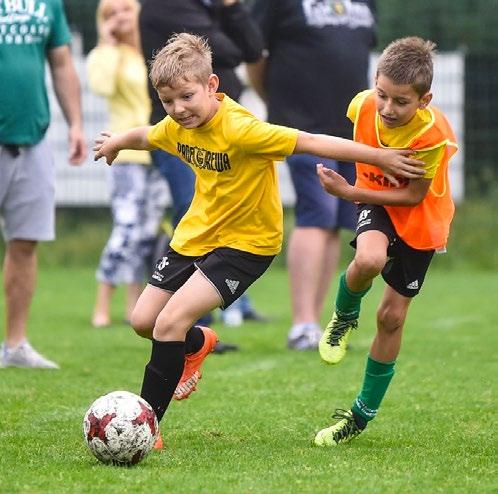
355, 104
432, 159
159, 138
102, 68
275, 142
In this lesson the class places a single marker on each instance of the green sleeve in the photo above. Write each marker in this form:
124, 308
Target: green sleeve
60, 34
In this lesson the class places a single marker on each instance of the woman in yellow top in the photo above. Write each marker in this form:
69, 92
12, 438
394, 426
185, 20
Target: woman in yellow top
116, 71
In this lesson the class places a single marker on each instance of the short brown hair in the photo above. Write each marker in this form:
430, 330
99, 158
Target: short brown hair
184, 57
409, 61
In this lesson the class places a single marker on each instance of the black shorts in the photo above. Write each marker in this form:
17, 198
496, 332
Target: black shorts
406, 267
231, 271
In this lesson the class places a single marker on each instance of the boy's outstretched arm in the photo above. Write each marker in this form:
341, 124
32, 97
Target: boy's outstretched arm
391, 161
108, 145
336, 184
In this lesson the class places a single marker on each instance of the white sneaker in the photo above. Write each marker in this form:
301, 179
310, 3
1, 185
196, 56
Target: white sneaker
24, 355
304, 336
232, 318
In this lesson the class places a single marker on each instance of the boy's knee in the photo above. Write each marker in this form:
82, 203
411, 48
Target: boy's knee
390, 319
141, 325
165, 328
370, 264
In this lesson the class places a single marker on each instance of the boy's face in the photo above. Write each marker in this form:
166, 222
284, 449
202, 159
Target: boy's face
397, 103
190, 104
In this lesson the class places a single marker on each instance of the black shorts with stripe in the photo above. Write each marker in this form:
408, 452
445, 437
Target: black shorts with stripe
231, 271
406, 267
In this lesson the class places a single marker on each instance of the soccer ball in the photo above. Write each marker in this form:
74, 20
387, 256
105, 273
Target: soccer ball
120, 428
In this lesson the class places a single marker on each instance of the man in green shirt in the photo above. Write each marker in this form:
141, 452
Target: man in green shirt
31, 33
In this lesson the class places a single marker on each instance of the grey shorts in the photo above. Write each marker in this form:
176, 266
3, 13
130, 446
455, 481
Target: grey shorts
27, 193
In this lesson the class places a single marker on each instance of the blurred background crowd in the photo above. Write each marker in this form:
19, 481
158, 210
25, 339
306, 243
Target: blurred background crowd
466, 27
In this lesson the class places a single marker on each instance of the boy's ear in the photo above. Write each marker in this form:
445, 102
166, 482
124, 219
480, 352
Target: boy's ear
425, 100
213, 83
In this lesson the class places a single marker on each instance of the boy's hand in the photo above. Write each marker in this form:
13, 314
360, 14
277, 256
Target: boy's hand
105, 147
400, 162
333, 182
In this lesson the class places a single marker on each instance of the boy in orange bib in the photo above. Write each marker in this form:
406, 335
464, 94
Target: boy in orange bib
399, 228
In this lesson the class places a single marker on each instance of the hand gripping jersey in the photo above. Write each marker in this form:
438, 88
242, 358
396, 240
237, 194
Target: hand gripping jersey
425, 226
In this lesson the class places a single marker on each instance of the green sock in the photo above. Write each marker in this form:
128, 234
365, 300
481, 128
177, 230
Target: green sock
347, 303
378, 375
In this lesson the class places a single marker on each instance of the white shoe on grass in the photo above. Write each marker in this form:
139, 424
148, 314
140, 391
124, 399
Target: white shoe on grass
304, 336
24, 355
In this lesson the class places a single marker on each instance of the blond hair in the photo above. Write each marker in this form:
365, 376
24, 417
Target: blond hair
185, 57
409, 61
103, 10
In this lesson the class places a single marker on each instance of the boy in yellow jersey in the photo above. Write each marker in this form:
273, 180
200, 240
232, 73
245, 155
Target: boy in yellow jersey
233, 228
399, 227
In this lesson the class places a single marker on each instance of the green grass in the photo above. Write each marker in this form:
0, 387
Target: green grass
249, 427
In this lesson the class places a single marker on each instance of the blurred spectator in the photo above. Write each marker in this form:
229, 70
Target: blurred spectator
117, 71
35, 33
318, 54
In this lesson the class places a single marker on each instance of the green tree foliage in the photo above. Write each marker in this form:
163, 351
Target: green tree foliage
81, 18
453, 24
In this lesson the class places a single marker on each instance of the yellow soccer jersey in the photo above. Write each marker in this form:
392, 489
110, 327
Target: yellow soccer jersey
399, 137
236, 201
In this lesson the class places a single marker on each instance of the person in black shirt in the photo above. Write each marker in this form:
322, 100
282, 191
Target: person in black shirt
318, 54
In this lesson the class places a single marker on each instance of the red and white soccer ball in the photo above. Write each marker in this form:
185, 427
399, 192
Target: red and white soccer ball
120, 428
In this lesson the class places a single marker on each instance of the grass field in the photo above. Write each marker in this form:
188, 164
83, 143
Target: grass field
250, 426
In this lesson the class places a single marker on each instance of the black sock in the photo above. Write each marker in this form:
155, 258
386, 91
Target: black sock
162, 374
194, 340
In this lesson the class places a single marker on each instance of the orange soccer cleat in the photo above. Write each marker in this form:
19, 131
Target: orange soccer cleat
192, 370
158, 445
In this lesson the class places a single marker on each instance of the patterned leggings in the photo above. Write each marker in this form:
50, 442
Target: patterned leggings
137, 202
